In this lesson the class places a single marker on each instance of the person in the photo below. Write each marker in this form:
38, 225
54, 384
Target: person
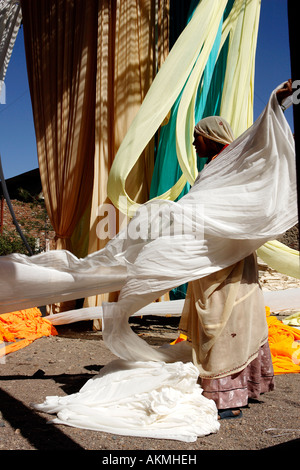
225, 310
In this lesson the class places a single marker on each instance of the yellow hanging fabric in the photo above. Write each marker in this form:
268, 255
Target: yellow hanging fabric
280, 257
162, 94
186, 63
241, 27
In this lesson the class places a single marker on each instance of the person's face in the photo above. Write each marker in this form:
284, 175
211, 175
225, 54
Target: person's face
205, 148
200, 146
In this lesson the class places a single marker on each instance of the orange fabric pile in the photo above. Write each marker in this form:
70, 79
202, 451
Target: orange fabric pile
25, 326
284, 344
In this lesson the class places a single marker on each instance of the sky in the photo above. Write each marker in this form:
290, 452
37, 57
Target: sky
17, 136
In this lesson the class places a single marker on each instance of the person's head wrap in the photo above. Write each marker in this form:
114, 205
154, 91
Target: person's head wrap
214, 128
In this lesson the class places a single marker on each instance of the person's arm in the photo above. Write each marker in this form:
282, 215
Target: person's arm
284, 92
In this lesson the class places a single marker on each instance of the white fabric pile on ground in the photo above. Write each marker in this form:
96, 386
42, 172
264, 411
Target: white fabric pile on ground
145, 399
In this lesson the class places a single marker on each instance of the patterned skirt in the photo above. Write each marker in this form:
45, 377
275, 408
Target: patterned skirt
234, 390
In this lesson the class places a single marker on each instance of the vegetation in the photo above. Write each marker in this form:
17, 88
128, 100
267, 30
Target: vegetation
34, 223
11, 242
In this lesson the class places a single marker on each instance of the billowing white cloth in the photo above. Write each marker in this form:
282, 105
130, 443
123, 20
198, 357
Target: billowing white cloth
249, 197
145, 399
238, 203
57, 276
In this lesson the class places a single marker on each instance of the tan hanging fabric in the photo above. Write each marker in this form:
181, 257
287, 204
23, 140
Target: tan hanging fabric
127, 59
60, 39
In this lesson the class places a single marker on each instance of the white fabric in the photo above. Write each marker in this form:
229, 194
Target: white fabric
57, 276
154, 400
10, 20
238, 202
164, 308
249, 197
283, 299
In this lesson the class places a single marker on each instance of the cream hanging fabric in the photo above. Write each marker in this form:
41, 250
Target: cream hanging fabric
127, 58
280, 257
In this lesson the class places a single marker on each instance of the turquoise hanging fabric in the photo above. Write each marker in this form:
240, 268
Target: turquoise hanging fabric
167, 169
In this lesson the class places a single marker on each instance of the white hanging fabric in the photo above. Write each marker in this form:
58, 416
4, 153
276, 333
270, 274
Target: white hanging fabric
10, 20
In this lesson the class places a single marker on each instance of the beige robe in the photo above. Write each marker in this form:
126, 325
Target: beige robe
224, 319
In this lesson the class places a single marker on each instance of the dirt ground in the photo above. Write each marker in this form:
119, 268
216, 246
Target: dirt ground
60, 365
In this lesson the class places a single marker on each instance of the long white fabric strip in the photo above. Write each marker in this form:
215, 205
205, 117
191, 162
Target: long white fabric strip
284, 299
239, 202
248, 196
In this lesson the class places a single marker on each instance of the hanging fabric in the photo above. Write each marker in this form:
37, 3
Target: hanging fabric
132, 45
143, 260
60, 43
10, 20
184, 76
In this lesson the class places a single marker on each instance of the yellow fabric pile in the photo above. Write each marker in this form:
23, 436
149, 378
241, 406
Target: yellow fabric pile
24, 325
284, 344
292, 320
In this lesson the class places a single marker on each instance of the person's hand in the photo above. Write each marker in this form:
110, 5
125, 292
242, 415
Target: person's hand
284, 92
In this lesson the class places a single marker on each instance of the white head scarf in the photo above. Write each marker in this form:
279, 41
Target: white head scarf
215, 128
